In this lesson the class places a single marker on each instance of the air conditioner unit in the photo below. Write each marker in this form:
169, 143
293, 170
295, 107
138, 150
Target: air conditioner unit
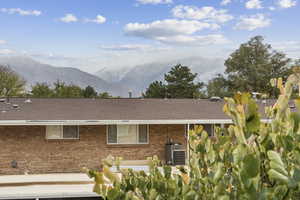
175, 154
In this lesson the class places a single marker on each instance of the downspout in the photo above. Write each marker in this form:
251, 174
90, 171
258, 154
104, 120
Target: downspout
188, 144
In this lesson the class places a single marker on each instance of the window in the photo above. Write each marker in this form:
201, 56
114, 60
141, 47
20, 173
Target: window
127, 134
209, 128
62, 132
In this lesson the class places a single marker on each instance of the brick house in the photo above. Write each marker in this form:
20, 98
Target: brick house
41, 135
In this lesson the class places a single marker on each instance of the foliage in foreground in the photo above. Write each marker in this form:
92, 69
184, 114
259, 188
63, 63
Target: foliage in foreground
248, 160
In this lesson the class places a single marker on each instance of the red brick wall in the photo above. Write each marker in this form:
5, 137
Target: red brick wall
34, 154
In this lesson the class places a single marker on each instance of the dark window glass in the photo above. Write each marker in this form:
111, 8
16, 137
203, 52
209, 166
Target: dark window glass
70, 132
112, 134
143, 133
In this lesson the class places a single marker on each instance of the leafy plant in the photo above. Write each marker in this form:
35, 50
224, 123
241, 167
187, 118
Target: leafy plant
250, 159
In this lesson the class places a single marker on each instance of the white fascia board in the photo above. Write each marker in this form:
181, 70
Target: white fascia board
108, 122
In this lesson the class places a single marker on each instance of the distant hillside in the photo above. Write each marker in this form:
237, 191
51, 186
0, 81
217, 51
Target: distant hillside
139, 77
115, 81
112, 75
33, 72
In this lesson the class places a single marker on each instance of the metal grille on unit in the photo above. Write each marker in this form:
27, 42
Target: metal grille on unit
175, 154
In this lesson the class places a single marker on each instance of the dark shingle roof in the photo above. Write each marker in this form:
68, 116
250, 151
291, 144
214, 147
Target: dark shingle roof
112, 109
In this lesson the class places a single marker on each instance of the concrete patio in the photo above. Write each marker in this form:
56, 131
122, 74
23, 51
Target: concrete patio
45, 186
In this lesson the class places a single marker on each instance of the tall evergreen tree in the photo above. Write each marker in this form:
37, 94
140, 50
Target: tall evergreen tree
89, 92
250, 68
180, 83
156, 90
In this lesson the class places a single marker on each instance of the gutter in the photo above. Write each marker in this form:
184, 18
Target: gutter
109, 122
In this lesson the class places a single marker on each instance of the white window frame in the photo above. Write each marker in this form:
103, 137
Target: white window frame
138, 135
61, 137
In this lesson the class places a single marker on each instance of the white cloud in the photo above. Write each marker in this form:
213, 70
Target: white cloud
132, 47
155, 1
286, 3
291, 48
98, 20
253, 22
194, 40
68, 18
49, 56
204, 13
21, 11
254, 4
287, 46
168, 28
125, 47
6, 51
225, 2
2, 42
176, 32
272, 8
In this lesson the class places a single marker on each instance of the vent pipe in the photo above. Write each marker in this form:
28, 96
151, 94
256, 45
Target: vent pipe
130, 94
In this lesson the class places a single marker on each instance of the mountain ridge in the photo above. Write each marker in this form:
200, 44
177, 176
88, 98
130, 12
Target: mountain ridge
115, 81
35, 72
139, 77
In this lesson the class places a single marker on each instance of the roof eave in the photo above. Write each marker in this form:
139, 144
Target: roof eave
107, 122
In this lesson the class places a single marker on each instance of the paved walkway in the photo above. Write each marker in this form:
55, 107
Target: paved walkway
45, 186
61, 185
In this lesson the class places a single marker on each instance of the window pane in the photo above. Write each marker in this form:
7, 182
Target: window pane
53, 132
70, 132
112, 134
127, 134
143, 133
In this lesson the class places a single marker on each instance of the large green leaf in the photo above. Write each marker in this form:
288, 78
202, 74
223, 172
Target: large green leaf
252, 117
275, 175
251, 165
275, 157
296, 118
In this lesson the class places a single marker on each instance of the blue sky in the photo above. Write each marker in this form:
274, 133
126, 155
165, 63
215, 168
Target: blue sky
90, 34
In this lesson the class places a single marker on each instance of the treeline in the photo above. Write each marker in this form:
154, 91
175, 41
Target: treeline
12, 85
248, 69
60, 89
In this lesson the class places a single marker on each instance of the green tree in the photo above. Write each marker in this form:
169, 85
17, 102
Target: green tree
156, 90
104, 95
89, 92
11, 84
42, 90
250, 67
218, 86
180, 83
66, 91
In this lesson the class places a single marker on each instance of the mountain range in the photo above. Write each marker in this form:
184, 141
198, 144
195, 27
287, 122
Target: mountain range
138, 78
114, 81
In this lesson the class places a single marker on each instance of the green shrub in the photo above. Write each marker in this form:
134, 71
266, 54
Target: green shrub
251, 159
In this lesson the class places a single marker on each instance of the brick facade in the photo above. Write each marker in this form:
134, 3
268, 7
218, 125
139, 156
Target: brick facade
34, 154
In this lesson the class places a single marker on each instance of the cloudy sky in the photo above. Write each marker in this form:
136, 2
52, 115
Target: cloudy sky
91, 34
